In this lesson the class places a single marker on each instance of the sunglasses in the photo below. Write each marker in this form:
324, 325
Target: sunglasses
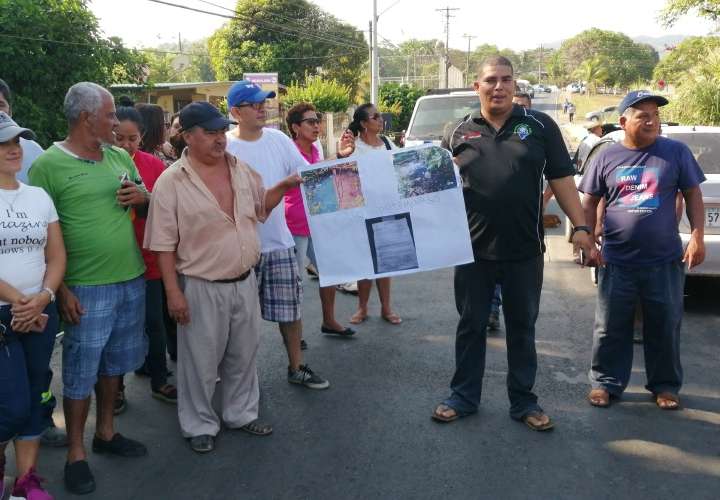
254, 105
311, 121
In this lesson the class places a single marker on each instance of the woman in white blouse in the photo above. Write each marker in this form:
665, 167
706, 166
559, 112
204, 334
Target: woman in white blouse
32, 265
367, 126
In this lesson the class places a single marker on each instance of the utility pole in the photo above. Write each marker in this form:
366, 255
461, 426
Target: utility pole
467, 59
374, 60
540, 61
447, 42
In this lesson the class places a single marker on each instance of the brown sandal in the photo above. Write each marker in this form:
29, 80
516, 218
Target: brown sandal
532, 420
599, 398
667, 401
442, 408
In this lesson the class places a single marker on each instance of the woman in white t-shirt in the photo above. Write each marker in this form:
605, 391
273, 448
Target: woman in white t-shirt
366, 126
32, 265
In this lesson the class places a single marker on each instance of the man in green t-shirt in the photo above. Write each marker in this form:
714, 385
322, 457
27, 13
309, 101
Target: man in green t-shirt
96, 190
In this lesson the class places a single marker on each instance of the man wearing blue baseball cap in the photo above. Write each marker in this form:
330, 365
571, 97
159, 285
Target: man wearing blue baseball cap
639, 179
274, 156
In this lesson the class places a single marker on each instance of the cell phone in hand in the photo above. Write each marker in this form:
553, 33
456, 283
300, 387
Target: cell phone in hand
124, 178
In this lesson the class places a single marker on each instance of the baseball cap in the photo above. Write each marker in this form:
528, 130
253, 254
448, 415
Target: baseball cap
204, 115
637, 96
246, 91
10, 130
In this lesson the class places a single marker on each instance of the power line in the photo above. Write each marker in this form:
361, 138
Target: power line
275, 27
156, 51
296, 24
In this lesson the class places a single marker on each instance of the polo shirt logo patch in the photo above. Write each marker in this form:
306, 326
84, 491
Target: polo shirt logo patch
523, 131
472, 135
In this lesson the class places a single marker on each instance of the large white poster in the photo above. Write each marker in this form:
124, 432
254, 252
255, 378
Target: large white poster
386, 213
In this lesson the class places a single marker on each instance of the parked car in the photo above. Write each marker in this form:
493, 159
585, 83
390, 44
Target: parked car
434, 113
607, 114
704, 142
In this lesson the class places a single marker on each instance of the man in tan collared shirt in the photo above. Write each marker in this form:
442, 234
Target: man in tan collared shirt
202, 224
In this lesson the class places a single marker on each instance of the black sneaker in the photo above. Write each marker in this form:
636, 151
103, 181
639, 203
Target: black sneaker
120, 404
78, 478
303, 345
202, 444
305, 376
120, 446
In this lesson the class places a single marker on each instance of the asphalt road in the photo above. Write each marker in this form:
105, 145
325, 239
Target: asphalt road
370, 435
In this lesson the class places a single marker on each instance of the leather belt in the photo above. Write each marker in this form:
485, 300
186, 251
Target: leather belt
242, 277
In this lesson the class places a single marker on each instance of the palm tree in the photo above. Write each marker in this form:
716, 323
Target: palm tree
592, 71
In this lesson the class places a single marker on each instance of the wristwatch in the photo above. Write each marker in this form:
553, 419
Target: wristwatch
581, 228
50, 293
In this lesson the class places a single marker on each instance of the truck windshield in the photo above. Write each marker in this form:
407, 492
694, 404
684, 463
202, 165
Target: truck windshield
434, 115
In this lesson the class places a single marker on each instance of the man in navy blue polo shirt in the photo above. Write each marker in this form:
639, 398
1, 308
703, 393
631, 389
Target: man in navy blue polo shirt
503, 152
639, 179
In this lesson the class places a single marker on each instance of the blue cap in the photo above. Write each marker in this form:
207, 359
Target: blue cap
204, 115
245, 91
637, 96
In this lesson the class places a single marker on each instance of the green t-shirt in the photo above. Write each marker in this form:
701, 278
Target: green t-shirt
98, 232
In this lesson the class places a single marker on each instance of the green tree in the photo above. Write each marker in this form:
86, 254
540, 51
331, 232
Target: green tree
292, 37
675, 9
49, 45
401, 98
627, 61
697, 99
592, 71
688, 53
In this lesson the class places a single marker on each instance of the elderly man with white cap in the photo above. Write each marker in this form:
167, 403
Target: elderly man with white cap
639, 179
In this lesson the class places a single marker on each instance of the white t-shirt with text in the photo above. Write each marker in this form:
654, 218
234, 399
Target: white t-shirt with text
23, 236
274, 156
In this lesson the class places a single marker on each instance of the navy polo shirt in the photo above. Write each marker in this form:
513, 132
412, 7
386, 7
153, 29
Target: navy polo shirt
502, 172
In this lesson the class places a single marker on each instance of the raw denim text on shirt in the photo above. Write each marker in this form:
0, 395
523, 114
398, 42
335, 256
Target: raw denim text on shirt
638, 188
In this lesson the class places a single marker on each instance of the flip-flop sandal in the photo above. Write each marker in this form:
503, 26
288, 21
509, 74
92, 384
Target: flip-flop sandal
257, 429
599, 398
667, 401
358, 318
538, 427
393, 319
441, 408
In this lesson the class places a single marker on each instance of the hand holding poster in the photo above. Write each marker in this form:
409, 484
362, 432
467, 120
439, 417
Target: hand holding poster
386, 213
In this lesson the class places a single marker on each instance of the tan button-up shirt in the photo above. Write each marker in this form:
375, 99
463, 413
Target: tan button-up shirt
185, 218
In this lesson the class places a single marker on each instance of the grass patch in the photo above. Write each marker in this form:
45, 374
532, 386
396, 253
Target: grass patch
587, 103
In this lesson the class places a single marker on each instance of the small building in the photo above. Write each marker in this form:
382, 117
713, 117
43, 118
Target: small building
172, 97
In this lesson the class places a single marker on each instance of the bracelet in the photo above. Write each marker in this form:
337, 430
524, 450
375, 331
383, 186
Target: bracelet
50, 293
581, 228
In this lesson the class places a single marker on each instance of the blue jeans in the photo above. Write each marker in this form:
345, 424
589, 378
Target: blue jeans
496, 300
659, 289
24, 361
475, 286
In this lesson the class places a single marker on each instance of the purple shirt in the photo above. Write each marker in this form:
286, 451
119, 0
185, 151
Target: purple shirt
639, 186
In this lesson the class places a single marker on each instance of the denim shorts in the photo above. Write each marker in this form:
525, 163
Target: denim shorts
110, 338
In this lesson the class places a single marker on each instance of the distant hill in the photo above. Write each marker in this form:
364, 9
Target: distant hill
659, 43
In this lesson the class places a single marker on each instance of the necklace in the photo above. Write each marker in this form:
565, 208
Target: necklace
10, 203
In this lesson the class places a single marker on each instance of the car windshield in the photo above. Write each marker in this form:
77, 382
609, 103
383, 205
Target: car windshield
434, 115
705, 147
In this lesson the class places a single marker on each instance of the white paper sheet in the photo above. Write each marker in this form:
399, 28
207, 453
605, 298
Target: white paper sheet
386, 213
